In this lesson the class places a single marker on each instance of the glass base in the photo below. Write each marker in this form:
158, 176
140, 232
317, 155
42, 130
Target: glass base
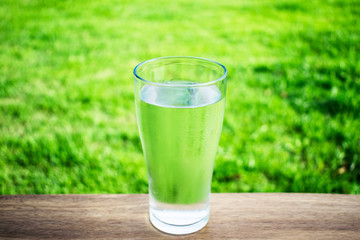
175, 228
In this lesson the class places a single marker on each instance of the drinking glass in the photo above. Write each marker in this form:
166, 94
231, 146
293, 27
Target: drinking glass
180, 105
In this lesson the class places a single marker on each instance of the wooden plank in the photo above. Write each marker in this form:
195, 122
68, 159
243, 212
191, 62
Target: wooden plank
233, 216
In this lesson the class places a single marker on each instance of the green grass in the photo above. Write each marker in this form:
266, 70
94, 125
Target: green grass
67, 117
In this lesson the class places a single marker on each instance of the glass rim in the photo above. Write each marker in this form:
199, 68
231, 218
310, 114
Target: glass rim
180, 85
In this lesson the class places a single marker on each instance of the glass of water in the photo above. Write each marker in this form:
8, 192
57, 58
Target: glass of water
180, 105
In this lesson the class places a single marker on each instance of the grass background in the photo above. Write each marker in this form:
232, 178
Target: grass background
67, 117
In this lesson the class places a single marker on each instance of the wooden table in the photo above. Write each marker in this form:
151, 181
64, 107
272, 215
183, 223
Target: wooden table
233, 216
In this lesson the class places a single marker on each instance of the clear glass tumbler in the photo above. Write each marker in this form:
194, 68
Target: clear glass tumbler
180, 105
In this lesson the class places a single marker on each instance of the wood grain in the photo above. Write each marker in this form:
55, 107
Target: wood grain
233, 216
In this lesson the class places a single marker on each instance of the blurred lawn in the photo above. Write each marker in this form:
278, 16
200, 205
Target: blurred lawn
67, 117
